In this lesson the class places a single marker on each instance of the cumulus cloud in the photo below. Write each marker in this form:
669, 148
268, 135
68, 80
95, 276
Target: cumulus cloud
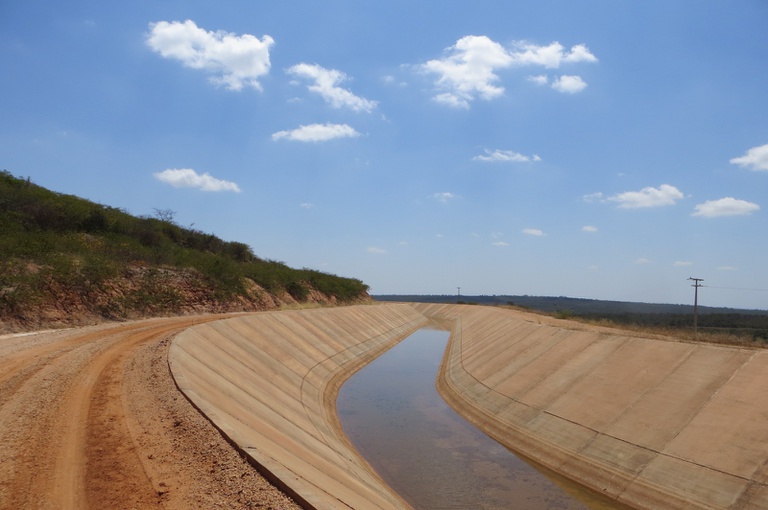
647, 197
682, 263
376, 249
588, 228
539, 79
569, 84
188, 178
642, 261
326, 83
234, 61
755, 158
579, 53
550, 56
500, 243
533, 232
469, 69
727, 206
443, 196
317, 133
505, 156
594, 197
307, 205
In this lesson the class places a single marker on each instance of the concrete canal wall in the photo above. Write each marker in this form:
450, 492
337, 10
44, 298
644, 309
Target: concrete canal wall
269, 382
651, 423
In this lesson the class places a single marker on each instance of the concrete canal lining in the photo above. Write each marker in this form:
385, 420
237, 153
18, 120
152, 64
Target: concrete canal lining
651, 423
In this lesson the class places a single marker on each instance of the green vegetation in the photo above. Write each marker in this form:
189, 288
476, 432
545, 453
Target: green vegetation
740, 326
716, 325
53, 243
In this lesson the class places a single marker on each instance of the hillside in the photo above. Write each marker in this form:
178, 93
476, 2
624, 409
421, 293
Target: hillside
69, 261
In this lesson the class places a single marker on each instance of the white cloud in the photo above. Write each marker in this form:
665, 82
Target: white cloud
539, 79
727, 206
533, 232
594, 197
326, 85
580, 53
755, 158
452, 100
505, 156
682, 263
235, 61
497, 240
376, 249
468, 71
647, 197
727, 268
443, 197
307, 205
569, 84
588, 228
188, 178
550, 56
317, 133
642, 261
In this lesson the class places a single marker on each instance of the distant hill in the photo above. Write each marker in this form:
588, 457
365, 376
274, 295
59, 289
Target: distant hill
576, 306
748, 324
65, 260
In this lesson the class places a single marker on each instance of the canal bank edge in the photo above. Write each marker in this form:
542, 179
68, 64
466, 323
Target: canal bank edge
650, 423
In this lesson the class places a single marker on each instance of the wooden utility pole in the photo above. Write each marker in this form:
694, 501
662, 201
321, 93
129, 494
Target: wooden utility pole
458, 294
696, 285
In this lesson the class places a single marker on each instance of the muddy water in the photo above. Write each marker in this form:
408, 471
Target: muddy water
428, 453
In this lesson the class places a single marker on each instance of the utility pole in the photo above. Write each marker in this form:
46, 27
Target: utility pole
458, 294
696, 285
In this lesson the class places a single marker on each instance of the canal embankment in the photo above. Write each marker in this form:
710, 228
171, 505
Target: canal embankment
649, 422
268, 381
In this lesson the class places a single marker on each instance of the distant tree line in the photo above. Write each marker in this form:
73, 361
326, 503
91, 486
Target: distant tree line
745, 323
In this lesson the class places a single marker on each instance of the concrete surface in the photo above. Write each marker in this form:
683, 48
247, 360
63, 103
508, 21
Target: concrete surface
651, 423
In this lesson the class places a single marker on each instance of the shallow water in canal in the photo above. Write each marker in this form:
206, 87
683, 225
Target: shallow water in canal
430, 455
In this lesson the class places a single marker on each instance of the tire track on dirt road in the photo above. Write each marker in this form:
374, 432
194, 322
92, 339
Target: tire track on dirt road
71, 437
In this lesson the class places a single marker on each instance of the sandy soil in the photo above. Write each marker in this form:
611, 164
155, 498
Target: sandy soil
91, 418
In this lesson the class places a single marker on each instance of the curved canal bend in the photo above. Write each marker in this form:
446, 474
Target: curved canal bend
424, 450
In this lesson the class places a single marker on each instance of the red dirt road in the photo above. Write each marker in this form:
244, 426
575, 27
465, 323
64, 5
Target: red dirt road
91, 418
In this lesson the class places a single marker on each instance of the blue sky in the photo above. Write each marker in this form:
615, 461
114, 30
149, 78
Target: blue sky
601, 149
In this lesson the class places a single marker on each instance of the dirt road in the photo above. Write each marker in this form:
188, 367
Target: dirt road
91, 418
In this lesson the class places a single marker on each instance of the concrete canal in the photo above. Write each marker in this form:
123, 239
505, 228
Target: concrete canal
429, 454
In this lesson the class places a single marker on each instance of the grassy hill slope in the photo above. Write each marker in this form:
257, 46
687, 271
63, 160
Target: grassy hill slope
65, 260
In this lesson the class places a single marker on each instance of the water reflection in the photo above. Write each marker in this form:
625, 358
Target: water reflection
430, 455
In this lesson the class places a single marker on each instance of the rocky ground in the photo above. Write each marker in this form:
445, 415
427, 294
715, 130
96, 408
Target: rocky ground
91, 418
